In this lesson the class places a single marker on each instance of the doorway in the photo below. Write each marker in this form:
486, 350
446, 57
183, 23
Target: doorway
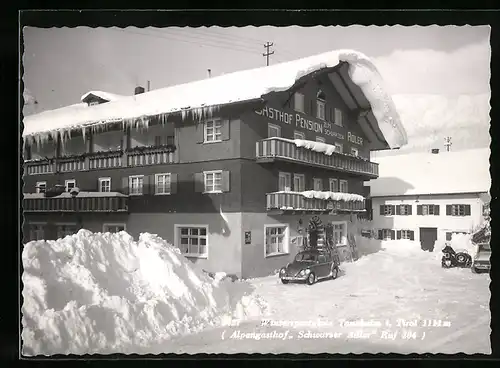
428, 237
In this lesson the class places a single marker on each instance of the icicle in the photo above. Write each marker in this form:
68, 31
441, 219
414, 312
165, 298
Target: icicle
83, 134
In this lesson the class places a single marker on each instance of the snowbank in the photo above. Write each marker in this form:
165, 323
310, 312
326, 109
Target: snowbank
106, 293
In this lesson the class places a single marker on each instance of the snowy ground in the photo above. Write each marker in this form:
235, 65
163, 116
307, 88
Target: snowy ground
385, 286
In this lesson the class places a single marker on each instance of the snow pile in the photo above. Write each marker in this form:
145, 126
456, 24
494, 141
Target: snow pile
106, 293
463, 243
320, 147
201, 98
335, 196
366, 246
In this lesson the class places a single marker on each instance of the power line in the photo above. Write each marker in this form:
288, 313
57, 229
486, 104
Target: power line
267, 54
226, 36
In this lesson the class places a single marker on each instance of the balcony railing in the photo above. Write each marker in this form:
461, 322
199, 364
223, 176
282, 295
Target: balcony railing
84, 202
270, 149
69, 164
293, 201
39, 167
106, 160
150, 156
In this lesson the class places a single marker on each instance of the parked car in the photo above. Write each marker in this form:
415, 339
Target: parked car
310, 266
481, 261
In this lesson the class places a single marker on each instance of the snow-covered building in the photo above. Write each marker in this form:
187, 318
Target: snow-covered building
429, 196
230, 169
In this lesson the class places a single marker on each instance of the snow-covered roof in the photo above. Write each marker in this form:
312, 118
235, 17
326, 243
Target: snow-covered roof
362, 88
427, 173
80, 195
103, 95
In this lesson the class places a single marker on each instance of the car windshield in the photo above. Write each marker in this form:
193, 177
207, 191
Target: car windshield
305, 257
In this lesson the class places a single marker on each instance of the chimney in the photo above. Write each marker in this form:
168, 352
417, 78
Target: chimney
138, 90
435, 151
209, 73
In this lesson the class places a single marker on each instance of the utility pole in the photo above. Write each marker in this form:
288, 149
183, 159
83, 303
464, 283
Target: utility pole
149, 86
267, 46
447, 143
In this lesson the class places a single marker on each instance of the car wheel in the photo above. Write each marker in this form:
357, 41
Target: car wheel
474, 270
311, 279
284, 281
335, 273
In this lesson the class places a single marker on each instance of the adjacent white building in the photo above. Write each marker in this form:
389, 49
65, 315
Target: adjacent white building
426, 197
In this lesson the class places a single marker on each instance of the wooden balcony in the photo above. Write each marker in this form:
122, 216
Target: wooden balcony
106, 160
37, 167
150, 156
282, 202
84, 202
272, 149
70, 164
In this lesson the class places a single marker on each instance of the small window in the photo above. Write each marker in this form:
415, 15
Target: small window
276, 239
344, 186
162, 183
339, 233
339, 148
285, 182
41, 186
458, 210
387, 210
407, 234
403, 210
322, 258
273, 131
334, 185
213, 181
387, 234
318, 184
320, 139
298, 135
37, 231
430, 210
70, 184
158, 140
299, 183
104, 184
320, 109
193, 241
93, 103
213, 131
338, 118
354, 152
299, 102
113, 228
136, 184
64, 230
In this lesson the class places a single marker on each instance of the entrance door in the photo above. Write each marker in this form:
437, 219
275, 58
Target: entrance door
428, 236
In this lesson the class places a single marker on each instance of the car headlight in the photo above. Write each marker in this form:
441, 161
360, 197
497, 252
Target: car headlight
307, 271
302, 273
282, 271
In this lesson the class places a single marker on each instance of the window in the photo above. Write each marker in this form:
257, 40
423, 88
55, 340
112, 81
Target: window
113, 228
298, 135
37, 231
162, 184
213, 181
339, 233
320, 109
136, 184
93, 103
104, 184
428, 210
387, 210
338, 118
449, 234
192, 240
354, 152
406, 234
285, 182
70, 184
458, 210
276, 239
41, 186
64, 230
213, 131
273, 131
344, 187
386, 234
299, 102
334, 185
320, 139
318, 184
299, 183
403, 210
339, 148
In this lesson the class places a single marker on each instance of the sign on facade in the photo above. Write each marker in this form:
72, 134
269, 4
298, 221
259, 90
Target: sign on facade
248, 237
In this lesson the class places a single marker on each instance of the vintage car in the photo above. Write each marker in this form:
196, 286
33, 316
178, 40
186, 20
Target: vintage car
481, 261
310, 266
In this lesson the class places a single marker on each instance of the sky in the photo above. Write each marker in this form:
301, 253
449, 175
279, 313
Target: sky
62, 64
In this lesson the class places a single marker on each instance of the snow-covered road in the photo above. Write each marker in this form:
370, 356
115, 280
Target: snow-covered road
386, 287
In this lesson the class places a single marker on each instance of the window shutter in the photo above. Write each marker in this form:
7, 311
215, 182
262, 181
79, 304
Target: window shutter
436, 210
173, 183
398, 234
398, 210
467, 210
199, 182
393, 235
380, 234
146, 184
392, 209
225, 181
448, 210
419, 209
125, 184
412, 235
448, 236
200, 132
225, 129
381, 209
410, 209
